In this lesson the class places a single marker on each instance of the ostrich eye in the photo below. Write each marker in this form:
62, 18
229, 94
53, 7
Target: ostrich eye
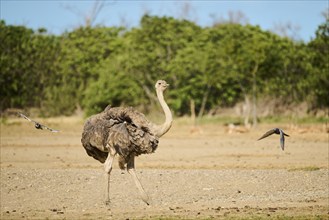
159, 83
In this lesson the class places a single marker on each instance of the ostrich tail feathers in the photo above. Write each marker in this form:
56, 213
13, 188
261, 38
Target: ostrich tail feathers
125, 117
122, 163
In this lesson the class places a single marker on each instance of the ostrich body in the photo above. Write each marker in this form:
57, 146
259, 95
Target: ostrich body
126, 132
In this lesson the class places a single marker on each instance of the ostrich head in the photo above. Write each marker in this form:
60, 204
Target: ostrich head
161, 85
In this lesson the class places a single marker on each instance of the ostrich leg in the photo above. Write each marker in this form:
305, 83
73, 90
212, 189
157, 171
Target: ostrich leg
131, 171
108, 168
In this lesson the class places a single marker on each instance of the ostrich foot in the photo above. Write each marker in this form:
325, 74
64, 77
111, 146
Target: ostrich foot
145, 197
147, 203
107, 202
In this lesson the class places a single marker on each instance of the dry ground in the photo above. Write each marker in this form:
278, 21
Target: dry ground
196, 173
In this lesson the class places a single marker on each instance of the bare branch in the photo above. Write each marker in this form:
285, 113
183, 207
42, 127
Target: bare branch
325, 14
288, 29
234, 17
187, 11
90, 17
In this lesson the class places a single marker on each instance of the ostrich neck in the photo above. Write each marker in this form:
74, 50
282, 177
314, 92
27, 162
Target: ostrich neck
162, 129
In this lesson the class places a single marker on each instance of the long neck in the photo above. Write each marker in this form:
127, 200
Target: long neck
162, 129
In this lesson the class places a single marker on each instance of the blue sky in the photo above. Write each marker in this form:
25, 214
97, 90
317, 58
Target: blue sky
59, 16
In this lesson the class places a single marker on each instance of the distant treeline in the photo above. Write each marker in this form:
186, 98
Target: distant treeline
207, 67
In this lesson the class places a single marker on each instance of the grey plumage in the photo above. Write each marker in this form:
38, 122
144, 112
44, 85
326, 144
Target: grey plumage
125, 132
276, 131
121, 127
37, 125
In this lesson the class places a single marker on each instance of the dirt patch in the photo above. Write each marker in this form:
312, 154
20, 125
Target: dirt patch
193, 175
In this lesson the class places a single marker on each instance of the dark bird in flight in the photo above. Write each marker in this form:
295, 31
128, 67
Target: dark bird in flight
37, 124
276, 131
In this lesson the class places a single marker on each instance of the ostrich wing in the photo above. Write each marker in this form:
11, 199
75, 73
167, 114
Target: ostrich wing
100, 132
133, 127
128, 115
119, 138
270, 132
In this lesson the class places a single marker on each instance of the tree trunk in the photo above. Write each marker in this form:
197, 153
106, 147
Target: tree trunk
246, 110
204, 102
192, 107
254, 104
254, 96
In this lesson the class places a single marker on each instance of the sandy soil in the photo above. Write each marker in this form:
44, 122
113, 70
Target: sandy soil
196, 173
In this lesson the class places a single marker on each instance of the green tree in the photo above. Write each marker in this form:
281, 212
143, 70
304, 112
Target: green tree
203, 79
244, 52
27, 60
207, 68
114, 87
152, 47
83, 50
319, 78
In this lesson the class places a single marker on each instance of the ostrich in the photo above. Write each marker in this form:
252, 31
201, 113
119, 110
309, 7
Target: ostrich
126, 132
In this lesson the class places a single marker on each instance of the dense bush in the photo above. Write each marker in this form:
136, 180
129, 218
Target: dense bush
209, 67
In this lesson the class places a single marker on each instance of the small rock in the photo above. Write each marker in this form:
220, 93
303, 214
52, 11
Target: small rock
272, 209
218, 208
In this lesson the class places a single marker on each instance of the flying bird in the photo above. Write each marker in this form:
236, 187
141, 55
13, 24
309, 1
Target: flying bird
276, 131
125, 132
37, 124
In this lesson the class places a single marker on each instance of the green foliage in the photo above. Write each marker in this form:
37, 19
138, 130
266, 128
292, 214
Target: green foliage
152, 47
27, 61
207, 68
83, 51
200, 73
308, 168
319, 76
114, 87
